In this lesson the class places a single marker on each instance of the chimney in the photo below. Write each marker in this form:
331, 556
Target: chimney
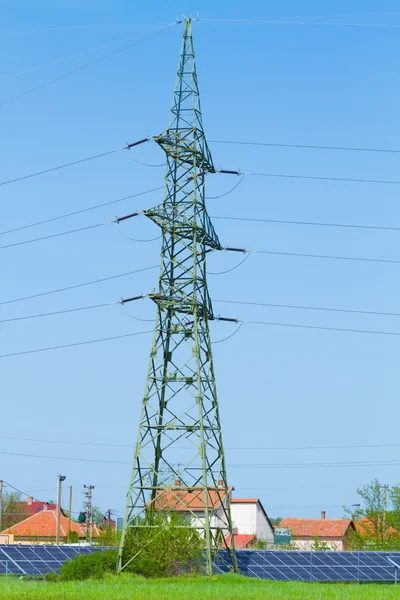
177, 482
29, 502
220, 483
45, 506
323, 514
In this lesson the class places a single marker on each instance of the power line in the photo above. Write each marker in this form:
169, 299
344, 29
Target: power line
259, 448
321, 256
85, 343
65, 58
242, 465
20, 491
93, 62
320, 23
70, 164
321, 328
270, 323
311, 177
78, 212
53, 235
306, 146
309, 223
317, 308
58, 312
79, 285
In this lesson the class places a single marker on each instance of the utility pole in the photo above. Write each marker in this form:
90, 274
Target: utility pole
180, 406
70, 510
384, 487
60, 479
1, 504
89, 516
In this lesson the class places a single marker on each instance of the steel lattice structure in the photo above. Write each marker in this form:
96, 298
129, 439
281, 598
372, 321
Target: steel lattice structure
180, 416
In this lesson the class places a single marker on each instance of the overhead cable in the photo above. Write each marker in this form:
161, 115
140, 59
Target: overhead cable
371, 463
58, 312
269, 323
240, 302
79, 285
70, 164
255, 448
306, 146
318, 23
83, 210
73, 345
316, 327
70, 231
310, 177
152, 33
321, 256
65, 58
309, 223
317, 308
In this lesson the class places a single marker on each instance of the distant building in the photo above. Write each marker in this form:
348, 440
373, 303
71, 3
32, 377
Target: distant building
32, 506
249, 519
41, 528
307, 534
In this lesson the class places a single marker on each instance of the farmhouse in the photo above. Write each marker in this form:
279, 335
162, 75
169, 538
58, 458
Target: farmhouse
309, 534
249, 518
41, 528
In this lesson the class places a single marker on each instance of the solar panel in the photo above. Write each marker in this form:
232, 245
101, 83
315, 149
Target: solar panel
39, 560
293, 565
278, 565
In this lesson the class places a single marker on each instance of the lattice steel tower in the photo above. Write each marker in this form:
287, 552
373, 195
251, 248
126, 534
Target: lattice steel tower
179, 458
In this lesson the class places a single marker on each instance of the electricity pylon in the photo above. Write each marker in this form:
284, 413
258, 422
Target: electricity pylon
180, 417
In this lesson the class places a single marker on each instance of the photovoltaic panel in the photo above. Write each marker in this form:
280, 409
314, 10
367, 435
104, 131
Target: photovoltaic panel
314, 566
21, 559
279, 565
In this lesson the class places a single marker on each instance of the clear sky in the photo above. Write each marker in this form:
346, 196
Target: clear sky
278, 387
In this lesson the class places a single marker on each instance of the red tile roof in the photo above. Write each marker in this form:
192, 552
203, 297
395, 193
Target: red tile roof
365, 526
181, 500
43, 524
242, 540
335, 528
35, 506
244, 500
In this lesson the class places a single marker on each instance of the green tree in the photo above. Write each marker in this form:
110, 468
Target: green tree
14, 509
377, 518
170, 547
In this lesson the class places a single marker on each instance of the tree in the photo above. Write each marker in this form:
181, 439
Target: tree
377, 518
97, 516
14, 509
169, 547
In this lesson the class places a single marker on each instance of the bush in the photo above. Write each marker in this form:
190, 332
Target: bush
169, 547
88, 566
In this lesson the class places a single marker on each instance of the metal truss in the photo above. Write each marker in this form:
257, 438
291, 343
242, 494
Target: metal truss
179, 460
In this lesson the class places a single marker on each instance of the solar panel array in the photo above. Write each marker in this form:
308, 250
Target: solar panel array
38, 560
314, 566
278, 565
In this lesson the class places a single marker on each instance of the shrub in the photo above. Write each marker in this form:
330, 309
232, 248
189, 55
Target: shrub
89, 566
169, 547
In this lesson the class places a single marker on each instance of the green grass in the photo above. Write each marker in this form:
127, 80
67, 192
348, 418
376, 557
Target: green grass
225, 587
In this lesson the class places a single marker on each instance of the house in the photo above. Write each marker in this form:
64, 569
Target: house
310, 534
365, 527
191, 504
249, 518
41, 527
32, 506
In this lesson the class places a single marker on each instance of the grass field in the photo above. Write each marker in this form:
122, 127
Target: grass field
226, 587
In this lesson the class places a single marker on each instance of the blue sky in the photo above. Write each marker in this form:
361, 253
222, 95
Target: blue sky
278, 387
